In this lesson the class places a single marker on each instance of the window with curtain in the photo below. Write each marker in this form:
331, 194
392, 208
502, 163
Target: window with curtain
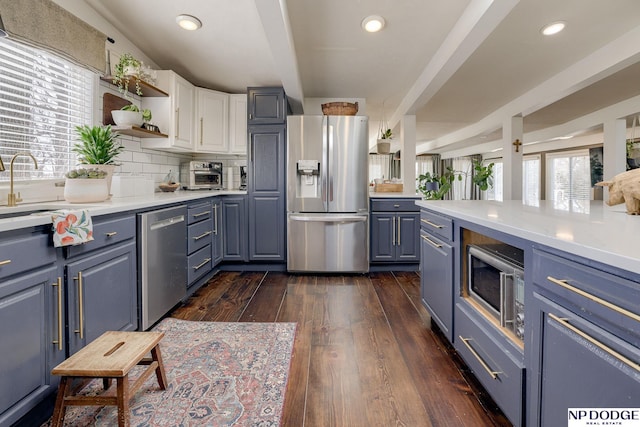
568, 176
42, 99
531, 179
379, 166
495, 192
462, 188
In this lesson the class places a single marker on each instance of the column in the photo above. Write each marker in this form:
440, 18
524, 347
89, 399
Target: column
512, 134
408, 162
614, 150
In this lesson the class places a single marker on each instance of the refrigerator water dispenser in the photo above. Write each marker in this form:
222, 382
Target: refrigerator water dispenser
307, 182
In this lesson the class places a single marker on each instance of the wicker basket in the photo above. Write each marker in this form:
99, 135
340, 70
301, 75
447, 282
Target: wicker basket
340, 109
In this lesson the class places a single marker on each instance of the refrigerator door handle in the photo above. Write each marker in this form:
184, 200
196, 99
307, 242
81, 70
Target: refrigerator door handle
325, 164
330, 159
328, 218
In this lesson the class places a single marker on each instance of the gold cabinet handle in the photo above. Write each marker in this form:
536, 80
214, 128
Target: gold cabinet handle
177, 122
205, 234
58, 341
432, 224
202, 264
437, 245
563, 283
399, 221
200, 214
393, 231
5, 262
80, 330
494, 374
215, 219
201, 120
111, 233
565, 322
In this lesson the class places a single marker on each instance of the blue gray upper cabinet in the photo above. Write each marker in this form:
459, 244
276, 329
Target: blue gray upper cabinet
267, 105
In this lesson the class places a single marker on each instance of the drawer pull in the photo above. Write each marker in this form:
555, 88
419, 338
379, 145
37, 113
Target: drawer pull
111, 234
437, 245
432, 224
205, 234
202, 264
5, 262
200, 214
594, 298
59, 340
565, 322
396, 206
494, 374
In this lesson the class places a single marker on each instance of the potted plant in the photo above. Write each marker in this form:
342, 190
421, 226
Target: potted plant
128, 66
86, 185
98, 147
129, 115
384, 142
434, 187
483, 175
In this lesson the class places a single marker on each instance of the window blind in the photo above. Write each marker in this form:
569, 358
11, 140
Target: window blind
42, 99
568, 179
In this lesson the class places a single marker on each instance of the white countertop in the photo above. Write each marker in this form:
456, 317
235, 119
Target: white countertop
114, 205
604, 233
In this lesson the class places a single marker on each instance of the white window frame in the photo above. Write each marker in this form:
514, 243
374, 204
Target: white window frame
550, 179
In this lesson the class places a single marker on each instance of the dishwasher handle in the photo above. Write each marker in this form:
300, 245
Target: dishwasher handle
166, 222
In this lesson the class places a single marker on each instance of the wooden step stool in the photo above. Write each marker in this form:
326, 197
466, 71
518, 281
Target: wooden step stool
112, 355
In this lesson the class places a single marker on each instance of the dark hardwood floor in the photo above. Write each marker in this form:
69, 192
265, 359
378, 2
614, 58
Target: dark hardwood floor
364, 354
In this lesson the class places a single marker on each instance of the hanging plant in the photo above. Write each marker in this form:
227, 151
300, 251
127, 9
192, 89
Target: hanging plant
128, 67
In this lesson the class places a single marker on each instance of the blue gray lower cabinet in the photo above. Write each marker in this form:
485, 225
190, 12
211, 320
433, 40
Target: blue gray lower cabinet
586, 339
234, 229
216, 237
394, 236
582, 328
199, 240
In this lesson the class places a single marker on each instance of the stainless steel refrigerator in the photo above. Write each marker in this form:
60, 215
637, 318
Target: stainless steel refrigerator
327, 194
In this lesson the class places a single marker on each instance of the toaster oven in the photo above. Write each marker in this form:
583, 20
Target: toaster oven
201, 175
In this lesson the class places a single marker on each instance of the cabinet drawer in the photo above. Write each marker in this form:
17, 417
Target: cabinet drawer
199, 235
199, 212
596, 295
199, 263
494, 365
106, 232
436, 224
394, 205
24, 251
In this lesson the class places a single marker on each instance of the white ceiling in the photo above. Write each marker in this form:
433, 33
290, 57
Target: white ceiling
460, 66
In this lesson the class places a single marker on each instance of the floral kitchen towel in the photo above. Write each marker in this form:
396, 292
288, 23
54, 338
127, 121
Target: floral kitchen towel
71, 227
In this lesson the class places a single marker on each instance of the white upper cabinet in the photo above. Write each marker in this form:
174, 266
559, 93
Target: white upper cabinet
238, 124
174, 115
211, 121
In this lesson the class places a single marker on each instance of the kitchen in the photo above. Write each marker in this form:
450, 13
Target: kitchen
138, 159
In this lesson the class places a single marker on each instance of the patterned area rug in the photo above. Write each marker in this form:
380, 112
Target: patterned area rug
219, 374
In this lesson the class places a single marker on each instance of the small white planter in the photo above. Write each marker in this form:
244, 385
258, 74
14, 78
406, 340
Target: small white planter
127, 118
85, 190
383, 146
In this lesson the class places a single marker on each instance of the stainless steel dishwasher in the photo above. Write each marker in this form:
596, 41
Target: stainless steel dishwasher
162, 262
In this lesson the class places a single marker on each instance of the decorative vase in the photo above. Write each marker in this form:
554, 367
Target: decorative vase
85, 190
109, 170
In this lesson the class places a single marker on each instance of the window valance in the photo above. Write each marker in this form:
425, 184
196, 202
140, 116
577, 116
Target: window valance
46, 25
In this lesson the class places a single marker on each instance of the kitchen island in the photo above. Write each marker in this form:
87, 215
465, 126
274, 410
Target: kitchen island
571, 336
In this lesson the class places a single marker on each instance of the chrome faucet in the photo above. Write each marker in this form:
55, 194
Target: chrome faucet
12, 199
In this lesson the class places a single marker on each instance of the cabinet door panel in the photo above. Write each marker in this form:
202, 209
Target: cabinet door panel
267, 105
407, 237
267, 229
577, 372
436, 281
382, 237
267, 157
109, 295
234, 229
28, 326
216, 239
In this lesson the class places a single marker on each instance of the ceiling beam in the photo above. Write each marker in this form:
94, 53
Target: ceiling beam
476, 23
277, 29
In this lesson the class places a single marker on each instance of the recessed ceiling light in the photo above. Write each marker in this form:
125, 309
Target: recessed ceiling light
373, 23
188, 22
553, 28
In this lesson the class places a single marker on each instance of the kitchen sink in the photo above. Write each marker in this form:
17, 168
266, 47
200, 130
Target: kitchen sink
35, 209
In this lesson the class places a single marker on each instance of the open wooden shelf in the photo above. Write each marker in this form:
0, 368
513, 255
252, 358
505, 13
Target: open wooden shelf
138, 132
146, 88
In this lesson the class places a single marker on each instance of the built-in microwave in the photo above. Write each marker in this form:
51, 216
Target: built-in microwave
496, 282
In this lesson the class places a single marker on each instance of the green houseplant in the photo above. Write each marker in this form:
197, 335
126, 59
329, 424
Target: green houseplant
126, 67
98, 146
